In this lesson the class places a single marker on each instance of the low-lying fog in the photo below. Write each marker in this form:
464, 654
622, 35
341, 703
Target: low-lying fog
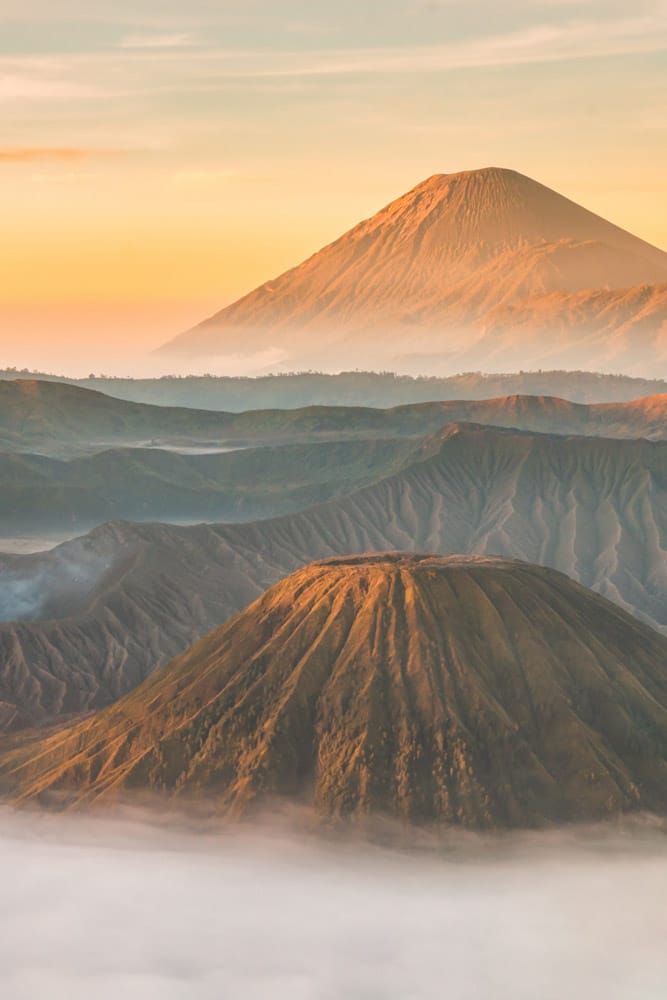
195, 449
135, 910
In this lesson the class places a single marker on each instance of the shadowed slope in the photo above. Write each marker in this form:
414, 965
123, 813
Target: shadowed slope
243, 484
142, 484
484, 692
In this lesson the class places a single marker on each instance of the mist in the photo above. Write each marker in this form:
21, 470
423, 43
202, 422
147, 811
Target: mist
140, 910
54, 587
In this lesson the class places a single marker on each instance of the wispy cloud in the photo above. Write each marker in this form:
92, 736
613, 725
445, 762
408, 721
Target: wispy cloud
544, 43
164, 41
65, 154
154, 63
547, 42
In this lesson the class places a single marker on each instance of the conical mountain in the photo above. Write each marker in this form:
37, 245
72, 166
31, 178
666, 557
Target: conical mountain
460, 690
459, 254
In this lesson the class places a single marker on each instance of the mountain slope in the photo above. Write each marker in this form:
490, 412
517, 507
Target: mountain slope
101, 612
436, 266
56, 415
42, 494
481, 692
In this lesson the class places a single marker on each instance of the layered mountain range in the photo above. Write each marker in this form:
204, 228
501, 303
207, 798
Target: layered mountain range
354, 388
60, 420
480, 692
482, 269
89, 620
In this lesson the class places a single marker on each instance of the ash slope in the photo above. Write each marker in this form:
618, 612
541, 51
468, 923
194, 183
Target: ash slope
468, 266
63, 420
481, 692
126, 598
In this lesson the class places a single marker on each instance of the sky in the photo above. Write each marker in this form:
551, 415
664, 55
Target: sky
159, 159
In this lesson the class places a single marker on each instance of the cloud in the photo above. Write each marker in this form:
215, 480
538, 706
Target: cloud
541, 43
173, 41
168, 62
55, 586
37, 155
150, 910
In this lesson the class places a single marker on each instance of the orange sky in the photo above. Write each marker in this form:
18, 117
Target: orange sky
155, 166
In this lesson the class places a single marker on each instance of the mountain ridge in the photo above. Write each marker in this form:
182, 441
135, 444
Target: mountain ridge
69, 420
354, 388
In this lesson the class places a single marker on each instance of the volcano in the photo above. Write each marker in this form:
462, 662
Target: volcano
483, 267
462, 690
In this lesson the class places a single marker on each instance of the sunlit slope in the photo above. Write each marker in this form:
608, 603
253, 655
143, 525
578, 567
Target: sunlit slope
456, 268
481, 692
100, 613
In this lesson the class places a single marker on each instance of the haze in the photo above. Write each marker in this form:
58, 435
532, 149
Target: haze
156, 164
157, 911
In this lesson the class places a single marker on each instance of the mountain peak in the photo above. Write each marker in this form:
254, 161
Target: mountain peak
487, 175
441, 264
462, 690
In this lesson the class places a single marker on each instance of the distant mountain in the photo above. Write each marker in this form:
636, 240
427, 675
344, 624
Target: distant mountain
482, 267
89, 620
43, 414
45, 495
61, 420
477, 692
357, 388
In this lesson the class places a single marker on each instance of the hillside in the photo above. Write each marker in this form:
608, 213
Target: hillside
59, 417
101, 612
42, 494
481, 692
443, 269
45, 495
62, 421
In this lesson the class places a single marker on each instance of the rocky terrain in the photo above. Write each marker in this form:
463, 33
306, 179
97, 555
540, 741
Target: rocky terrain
473, 691
89, 620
